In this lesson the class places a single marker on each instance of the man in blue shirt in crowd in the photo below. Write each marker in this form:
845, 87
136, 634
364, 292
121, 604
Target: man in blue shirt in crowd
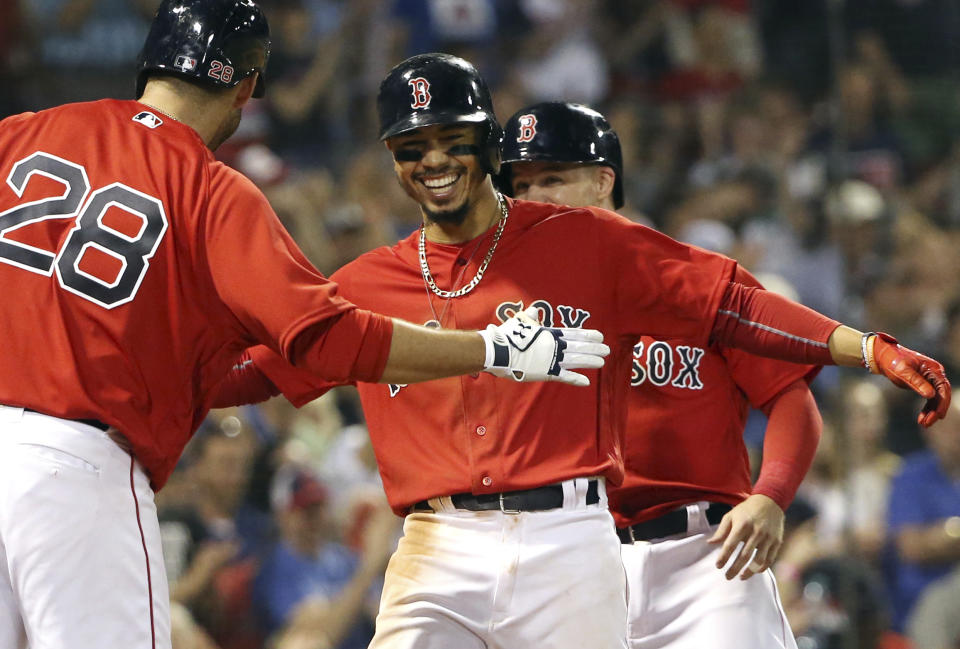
924, 515
309, 583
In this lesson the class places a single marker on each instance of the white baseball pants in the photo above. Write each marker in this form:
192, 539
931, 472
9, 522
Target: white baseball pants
679, 599
492, 580
80, 559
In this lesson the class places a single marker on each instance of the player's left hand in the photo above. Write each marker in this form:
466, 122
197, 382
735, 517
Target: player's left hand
909, 369
524, 350
757, 522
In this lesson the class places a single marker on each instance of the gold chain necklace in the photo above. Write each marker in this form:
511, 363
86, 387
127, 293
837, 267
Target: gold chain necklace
425, 268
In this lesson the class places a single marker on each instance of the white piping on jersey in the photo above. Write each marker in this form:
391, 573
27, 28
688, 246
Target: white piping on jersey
240, 366
758, 325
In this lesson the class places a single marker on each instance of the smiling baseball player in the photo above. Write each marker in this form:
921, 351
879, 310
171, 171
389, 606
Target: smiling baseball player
507, 539
687, 476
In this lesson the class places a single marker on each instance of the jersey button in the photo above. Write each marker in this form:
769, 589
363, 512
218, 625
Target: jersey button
481, 430
487, 481
461, 261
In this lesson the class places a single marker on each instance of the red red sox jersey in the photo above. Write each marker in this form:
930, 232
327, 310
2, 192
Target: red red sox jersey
686, 410
135, 269
580, 268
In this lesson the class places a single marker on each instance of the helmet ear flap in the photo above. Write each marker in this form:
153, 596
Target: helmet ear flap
617, 190
260, 89
503, 180
494, 144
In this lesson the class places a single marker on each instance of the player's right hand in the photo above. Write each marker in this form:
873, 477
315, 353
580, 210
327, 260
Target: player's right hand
755, 528
909, 369
523, 350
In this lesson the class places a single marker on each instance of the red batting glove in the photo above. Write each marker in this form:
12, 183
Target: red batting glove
909, 369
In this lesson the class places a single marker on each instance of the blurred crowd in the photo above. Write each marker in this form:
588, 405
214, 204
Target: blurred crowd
816, 141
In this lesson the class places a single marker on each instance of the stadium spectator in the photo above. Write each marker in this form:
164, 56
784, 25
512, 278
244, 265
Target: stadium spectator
934, 623
924, 515
307, 100
212, 542
561, 58
310, 584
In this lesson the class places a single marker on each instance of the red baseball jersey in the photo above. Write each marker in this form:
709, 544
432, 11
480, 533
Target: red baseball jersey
135, 269
579, 267
686, 410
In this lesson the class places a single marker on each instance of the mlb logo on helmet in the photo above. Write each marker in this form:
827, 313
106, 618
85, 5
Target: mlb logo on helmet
421, 92
528, 127
185, 63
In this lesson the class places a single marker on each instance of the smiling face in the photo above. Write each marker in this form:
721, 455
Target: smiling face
439, 167
563, 183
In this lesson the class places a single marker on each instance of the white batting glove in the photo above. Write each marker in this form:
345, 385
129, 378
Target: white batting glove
523, 350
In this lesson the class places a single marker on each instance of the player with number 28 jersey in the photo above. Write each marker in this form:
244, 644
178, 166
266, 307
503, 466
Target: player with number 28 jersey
121, 237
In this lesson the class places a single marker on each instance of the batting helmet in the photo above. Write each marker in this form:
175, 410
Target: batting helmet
429, 89
559, 132
217, 42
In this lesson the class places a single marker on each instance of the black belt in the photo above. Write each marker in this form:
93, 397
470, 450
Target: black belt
528, 500
673, 522
96, 423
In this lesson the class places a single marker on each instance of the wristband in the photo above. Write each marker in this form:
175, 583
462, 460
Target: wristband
866, 352
495, 354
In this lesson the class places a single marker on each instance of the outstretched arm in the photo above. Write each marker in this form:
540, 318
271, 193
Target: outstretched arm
394, 351
767, 324
421, 353
364, 346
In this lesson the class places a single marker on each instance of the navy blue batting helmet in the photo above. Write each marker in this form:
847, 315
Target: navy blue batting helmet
555, 131
216, 42
430, 89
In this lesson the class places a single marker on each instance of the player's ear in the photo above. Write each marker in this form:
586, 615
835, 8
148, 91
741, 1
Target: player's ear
245, 90
605, 178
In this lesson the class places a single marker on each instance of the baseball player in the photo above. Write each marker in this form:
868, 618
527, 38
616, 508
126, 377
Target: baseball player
508, 541
687, 476
135, 269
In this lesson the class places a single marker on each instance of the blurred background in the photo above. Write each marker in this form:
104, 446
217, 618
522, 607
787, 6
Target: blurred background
816, 141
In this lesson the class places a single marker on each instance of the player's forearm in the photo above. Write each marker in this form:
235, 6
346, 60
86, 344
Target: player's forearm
770, 325
845, 348
421, 354
793, 432
365, 346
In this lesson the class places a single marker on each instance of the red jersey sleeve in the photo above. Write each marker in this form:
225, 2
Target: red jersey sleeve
257, 269
299, 387
662, 288
758, 377
243, 384
769, 324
